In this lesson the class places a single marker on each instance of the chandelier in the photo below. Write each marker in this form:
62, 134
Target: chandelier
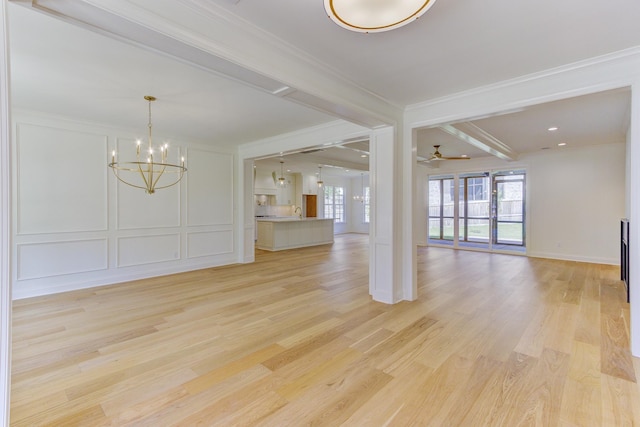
366, 16
320, 182
147, 169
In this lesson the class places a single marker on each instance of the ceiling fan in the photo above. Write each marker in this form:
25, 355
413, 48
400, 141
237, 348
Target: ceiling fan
438, 156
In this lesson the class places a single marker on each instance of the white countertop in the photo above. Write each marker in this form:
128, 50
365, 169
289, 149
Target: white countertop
291, 219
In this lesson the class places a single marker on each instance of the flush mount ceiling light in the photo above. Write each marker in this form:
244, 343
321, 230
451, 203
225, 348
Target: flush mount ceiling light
150, 165
373, 16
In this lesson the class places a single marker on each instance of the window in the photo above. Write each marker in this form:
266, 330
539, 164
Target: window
334, 203
441, 201
477, 188
474, 209
366, 205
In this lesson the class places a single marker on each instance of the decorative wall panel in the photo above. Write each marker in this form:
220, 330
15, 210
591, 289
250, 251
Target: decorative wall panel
36, 260
61, 180
138, 250
136, 208
208, 243
210, 189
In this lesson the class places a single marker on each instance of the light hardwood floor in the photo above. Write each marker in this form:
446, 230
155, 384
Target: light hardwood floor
294, 339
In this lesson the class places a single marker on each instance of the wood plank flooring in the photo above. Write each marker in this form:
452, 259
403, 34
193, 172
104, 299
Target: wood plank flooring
294, 339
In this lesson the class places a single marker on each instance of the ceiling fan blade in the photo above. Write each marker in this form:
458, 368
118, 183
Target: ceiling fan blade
455, 158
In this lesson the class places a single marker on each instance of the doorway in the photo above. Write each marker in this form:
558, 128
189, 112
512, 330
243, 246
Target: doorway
310, 205
508, 205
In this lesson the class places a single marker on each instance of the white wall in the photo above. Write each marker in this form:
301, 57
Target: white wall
76, 226
575, 199
356, 208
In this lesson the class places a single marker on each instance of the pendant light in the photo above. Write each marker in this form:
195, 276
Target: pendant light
281, 180
149, 166
320, 182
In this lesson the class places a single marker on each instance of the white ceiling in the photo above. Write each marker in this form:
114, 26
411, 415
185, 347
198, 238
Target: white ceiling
61, 68
67, 70
457, 45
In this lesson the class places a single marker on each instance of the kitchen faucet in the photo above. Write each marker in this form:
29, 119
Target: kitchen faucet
296, 211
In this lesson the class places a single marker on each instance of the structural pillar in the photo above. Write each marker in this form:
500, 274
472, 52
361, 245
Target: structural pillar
385, 257
5, 222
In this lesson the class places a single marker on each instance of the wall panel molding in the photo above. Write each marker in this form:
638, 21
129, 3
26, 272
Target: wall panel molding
135, 209
147, 249
210, 189
71, 162
47, 259
209, 243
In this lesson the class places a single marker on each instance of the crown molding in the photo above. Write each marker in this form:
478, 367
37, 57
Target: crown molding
613, 70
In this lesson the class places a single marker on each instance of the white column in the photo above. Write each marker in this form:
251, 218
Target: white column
5, 223
384, 258
410, 213
245, 211
634, 220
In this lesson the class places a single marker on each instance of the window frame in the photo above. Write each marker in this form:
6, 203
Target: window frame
336, 204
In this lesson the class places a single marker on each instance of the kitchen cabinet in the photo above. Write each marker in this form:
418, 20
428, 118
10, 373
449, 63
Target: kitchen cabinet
309, 184
263, 182
286, 195
275, 234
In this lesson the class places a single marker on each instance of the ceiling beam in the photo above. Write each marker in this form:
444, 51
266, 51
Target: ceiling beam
318, 159
481, 139
208, 36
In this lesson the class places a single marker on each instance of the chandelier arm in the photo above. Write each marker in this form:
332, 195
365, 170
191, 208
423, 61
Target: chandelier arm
173, 183
153, 183
144, 178
125, 182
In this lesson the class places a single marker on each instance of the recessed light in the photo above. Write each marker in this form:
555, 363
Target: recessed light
562, 144
363, 156
464, 155
347, 170
552, 128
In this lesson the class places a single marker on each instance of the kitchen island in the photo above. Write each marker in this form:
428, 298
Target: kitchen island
276, 234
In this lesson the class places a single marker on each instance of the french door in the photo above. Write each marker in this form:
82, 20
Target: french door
474, 199
508, 209
478, 210
441, 209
